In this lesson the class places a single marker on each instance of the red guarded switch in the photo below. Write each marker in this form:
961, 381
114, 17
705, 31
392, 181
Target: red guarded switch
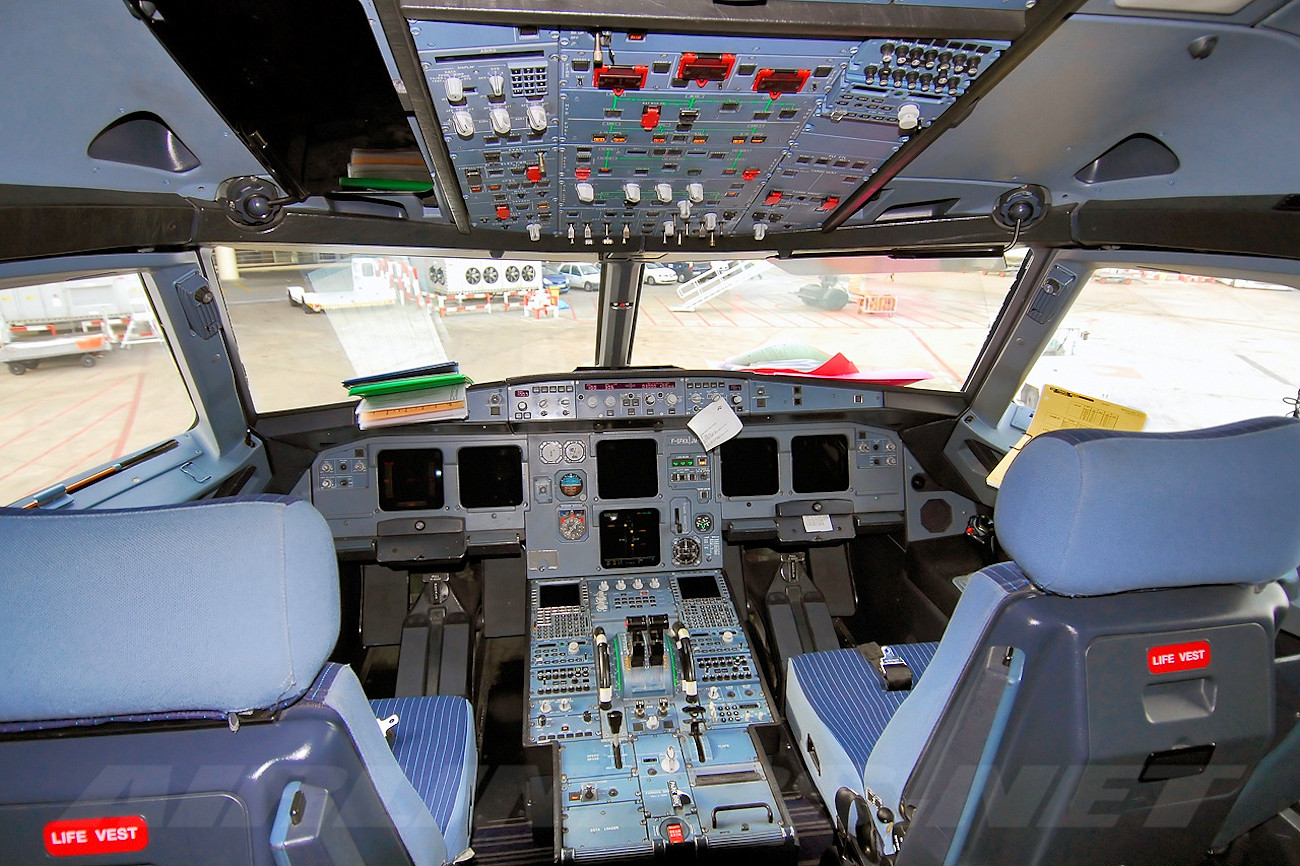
582, 173
829, 203
533, 173
772, 198
650, 118
503, 212
749, 174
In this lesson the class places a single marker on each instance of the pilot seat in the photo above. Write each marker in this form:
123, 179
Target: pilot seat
166, 697
1103, 697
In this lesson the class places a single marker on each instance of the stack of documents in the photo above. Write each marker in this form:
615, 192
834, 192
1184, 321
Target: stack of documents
434, 393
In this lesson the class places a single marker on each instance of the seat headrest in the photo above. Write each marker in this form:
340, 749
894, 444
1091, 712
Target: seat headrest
226, 606
1093, 512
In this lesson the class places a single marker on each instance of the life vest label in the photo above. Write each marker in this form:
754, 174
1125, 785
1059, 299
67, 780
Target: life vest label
1173, 658
82, 836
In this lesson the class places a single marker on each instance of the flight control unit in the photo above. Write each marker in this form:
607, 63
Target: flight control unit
646, 686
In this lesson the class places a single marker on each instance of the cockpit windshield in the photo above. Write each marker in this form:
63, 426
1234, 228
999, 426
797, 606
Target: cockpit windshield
307, 319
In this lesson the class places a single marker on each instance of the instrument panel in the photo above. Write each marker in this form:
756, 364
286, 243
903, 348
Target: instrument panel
580, 501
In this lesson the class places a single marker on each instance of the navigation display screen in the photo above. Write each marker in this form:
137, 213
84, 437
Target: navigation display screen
491, 476
626, 469
749, 467
819, 464
410, 479
629, 538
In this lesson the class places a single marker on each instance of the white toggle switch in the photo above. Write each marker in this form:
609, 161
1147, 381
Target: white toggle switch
534, 232
497, 84
710, 222
684, 208
669, 762
760, 231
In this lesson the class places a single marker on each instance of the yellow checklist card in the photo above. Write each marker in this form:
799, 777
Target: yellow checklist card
1059, 409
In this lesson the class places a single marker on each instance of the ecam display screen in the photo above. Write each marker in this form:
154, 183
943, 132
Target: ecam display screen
819, 464
626, 469
749, 467
629, 538
491, 476
559, 595
410, 479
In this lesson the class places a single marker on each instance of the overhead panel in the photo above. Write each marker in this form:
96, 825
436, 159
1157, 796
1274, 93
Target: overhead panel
609, 138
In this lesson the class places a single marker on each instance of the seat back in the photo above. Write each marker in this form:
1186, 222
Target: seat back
166, 694
1109, 706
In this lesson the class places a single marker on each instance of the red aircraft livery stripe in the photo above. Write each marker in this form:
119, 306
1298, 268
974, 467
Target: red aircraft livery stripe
83, 836
1176, 657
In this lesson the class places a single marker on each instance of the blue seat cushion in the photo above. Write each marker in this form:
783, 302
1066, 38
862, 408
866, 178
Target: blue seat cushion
847, 695
435, 748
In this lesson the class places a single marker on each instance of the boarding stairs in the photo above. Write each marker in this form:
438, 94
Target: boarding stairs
716, 280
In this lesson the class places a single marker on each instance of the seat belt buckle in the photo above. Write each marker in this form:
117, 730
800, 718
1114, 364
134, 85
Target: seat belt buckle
889, 668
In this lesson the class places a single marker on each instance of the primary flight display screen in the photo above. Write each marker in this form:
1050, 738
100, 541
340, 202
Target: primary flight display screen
749, 467
410, 479
819, 464
629, 538
626, 469
491, 476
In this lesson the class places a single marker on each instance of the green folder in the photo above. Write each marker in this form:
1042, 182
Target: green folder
416, 383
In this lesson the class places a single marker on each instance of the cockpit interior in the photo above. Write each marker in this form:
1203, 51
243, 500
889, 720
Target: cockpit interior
794, 431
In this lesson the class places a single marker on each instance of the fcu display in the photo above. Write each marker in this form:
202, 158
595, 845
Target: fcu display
647, 686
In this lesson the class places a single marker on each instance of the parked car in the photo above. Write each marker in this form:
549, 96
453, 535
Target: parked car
581, 275
553, 279
688, 270
658, 275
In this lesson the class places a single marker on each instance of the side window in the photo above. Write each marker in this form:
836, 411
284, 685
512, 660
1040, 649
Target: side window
87, 378
1188, 350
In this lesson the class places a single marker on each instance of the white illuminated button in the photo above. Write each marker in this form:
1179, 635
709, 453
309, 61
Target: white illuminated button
455, 89
632, 193
586, 193
500, 120
695, 192
664, 192
463, 122
536, 114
